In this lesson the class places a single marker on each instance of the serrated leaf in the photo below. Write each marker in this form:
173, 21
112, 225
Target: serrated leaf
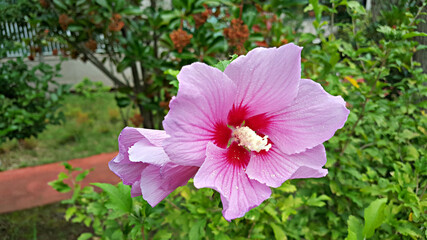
374, 216
119, 198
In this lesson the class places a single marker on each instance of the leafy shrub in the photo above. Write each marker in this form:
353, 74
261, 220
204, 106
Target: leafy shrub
377, 169
29, 98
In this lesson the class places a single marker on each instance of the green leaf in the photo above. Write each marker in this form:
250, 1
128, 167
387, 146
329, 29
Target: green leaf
125, 63
54, 97
414, 34
67, 166
119, 198
85, 236
62, 176
103, 3
82, 175
60, 4
355, 227
132, 11
197, 231
75, 28
123, 102
70, 212
317, 201
172, 72
374, 216
60, 186
408, 229
163, 235
223, 64
279, 234
411, 153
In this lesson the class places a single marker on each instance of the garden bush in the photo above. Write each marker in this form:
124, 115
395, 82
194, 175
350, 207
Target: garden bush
377, 163
29, 95
29, 99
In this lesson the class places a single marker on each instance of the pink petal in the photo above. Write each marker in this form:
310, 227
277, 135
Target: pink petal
274, 167
147, 153
136, 189
312, 118
128, 171
198, 114
146, 139
158, 182
267, 79
129, 136
239, 194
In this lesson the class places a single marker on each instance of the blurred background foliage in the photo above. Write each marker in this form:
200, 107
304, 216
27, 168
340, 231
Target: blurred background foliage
377, 163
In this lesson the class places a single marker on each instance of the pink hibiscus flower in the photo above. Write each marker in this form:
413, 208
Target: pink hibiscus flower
251, 127
143, 164
241, 131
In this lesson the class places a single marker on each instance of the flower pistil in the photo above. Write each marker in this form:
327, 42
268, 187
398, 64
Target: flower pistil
248, 138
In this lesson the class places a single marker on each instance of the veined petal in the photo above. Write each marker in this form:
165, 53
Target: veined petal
136, 189
274, 167
147, 153
239, 194
198, 114
312, 118
129, 136
128, 171
267, 79
158, 182
151, 152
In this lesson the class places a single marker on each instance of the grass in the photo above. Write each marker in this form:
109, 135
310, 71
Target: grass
46, 222
92, 126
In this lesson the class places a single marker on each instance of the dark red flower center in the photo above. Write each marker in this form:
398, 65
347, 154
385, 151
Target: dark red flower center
224, 135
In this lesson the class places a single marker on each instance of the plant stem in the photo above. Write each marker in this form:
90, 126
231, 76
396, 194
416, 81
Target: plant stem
143, 232
241, 10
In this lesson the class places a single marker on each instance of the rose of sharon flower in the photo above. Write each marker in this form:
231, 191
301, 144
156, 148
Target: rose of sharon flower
244, 130
251, 127
143, 164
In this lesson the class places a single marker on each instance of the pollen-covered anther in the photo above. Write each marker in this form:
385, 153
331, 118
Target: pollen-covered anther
248, 138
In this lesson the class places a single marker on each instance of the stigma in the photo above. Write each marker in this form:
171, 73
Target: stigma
248, 138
